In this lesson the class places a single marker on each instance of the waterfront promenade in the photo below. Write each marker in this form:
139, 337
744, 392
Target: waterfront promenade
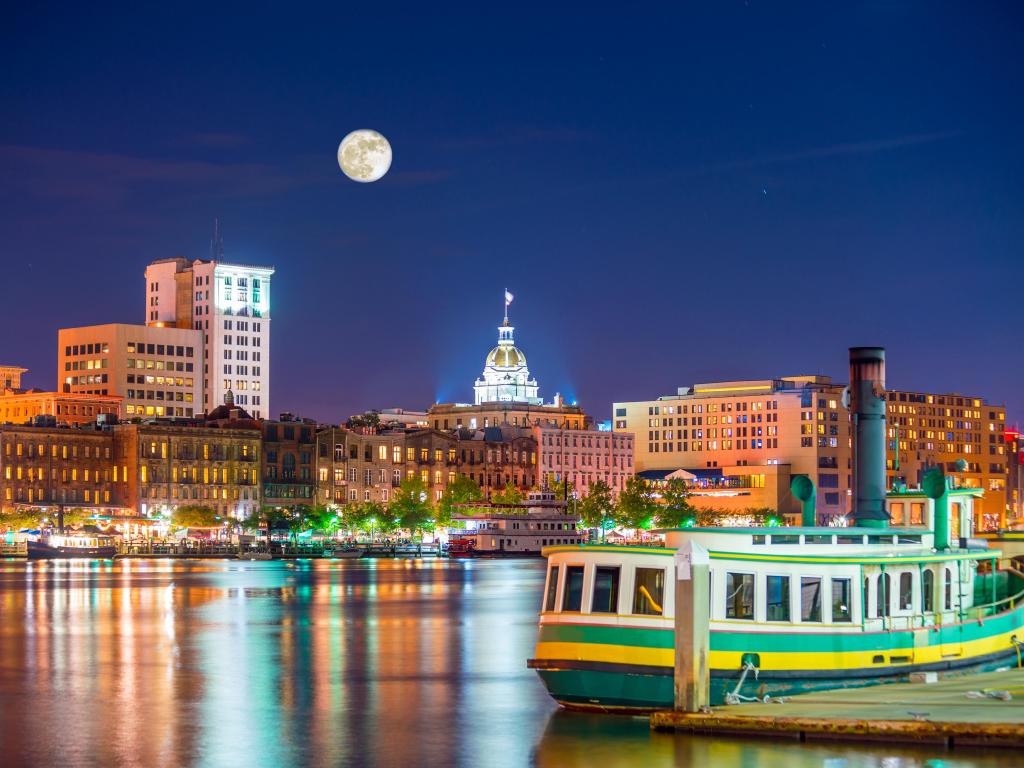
967, 710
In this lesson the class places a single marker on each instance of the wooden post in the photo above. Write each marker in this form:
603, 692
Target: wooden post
692, 628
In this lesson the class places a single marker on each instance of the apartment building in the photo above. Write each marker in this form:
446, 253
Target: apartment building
583, 457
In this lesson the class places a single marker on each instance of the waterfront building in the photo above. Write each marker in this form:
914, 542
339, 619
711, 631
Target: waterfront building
1014, 473
505, 394
289, 445
734, 490
964, 435
359, 466
583, 457
156, 370
10, 376
495, 457
163, 464
230, 305
22, 406
731, 433
47, 466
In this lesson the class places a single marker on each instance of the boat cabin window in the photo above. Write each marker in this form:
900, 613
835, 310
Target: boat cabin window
572, 592
841, 600
905, 538
810, 598
649, 591
787, 539
882, 592
739, 596
928, 588
549, 600
948, 591
849, 539
606, 590
777, 596
906, 592
760, 539
880, 539
818, 539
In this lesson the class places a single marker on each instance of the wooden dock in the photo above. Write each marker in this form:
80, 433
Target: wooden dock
963, 710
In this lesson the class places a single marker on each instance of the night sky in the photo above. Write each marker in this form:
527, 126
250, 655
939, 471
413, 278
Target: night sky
673, 196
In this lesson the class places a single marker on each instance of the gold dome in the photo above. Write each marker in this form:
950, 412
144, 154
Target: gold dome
506, 357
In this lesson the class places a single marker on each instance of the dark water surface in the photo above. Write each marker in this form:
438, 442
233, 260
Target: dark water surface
362, 663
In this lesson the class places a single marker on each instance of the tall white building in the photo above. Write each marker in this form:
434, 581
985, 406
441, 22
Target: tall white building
230, 304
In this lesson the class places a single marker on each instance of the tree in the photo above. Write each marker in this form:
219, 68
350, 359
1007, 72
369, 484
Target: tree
410, 506
508, 495
636, 506
562, 489
461, 490
195, 516
21, 517
597, 505
675, 508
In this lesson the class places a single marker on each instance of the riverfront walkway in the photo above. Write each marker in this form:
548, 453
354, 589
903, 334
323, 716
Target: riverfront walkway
961, 710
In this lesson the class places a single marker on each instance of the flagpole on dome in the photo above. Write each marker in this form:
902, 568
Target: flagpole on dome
508, 300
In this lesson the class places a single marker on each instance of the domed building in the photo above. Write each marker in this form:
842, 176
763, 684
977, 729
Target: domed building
506, 377
506, 395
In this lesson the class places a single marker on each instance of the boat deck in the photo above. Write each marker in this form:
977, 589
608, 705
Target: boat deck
940, 712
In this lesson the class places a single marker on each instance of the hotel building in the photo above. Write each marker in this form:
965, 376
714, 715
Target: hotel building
583, 457
156, 370
230, 305
727, 433
23, 406
926, 430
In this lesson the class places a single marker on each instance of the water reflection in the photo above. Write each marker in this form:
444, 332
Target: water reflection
363, 663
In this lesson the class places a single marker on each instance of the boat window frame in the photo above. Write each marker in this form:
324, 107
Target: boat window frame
665, 581
593, 588
565, 587
900, 609
832, 602
821, 601
789, 597
928, 595
753, 597
554, 569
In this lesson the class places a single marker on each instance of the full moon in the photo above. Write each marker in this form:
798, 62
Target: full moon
364, 155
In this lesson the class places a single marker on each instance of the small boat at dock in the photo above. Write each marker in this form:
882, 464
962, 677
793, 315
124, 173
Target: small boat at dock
59, 546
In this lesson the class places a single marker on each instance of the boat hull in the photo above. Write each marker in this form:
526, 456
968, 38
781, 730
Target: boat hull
629, 669
39, 551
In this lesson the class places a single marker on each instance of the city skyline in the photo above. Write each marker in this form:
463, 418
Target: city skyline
729, 195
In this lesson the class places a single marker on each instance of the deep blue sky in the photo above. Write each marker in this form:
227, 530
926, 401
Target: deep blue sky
735, 190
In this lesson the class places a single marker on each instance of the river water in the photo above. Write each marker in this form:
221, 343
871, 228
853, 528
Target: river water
350, 663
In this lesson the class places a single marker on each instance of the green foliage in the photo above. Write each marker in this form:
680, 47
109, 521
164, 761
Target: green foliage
596, 506
712, 518
364, 422
410, 506
19, 518
195, 516
461, 491
558, 487
675, 508
508, 495
636, 506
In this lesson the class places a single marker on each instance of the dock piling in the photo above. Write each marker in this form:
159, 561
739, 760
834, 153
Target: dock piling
692, 628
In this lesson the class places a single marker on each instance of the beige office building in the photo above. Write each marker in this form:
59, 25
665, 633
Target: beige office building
158, 371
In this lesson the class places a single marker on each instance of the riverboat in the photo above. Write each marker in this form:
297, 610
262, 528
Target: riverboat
792, 610
60, 546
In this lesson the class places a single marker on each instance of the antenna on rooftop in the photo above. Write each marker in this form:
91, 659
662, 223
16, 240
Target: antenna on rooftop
217, 243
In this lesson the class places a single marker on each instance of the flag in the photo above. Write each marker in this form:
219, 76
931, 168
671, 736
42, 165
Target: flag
508, 298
